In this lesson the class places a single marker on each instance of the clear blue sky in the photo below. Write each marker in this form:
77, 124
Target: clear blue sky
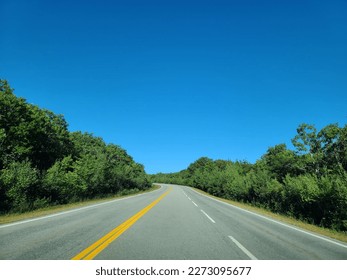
171, 81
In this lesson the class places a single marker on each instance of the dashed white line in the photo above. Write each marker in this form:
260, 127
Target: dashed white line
276, 222
195, 204
208, 216
238, 244
189, 198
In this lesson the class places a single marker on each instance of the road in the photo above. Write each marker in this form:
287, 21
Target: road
173, 223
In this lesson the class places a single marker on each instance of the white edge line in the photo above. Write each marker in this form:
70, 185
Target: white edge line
195, 204
248, 253
71, 211
277, 222
208, 216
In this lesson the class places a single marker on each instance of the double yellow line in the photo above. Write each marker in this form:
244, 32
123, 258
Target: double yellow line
93, 250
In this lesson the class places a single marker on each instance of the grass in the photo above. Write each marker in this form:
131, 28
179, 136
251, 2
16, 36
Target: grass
15, 217
342, 236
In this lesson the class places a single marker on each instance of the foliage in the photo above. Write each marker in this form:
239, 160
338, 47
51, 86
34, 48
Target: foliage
20, 180
309, 183
61, 183
28, 132
42, 163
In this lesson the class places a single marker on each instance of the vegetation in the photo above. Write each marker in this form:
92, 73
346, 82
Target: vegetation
308, 183
42, 163
17, 216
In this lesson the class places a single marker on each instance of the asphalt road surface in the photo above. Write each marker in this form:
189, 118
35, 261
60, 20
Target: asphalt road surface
172, 223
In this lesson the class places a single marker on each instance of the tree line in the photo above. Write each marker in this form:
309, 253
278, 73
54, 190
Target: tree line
308, 182
42, 163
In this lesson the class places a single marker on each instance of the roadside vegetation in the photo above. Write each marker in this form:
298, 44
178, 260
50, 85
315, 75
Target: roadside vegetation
328, 232
308, 183
49, 210
43, 164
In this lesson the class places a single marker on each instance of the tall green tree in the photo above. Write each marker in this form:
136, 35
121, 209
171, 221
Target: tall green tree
28, 132
280, 161
331, 145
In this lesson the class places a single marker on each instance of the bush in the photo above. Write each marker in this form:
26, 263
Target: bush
238, 187
61, 183
22, 185
301, 197
333, 201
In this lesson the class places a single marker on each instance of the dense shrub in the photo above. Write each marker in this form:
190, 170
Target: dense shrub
22, 188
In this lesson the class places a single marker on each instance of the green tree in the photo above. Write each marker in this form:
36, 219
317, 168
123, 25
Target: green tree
308, 146
341, 146
22, 189
280, 161
13, 115
105, 169
61, 183
333, 201
28, 132
330, 137
301, 196
238, 184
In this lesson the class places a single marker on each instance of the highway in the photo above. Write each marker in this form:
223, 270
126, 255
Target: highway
172, 223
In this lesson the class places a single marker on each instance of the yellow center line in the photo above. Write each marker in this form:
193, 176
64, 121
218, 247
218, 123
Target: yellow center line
93, 250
